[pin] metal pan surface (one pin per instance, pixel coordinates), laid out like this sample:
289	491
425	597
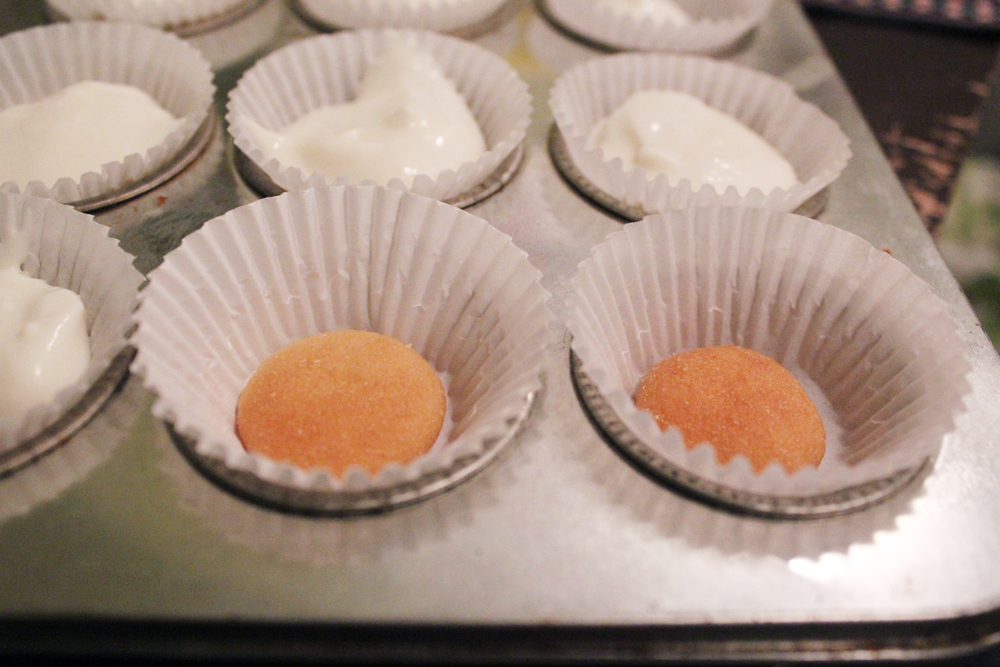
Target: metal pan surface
558	549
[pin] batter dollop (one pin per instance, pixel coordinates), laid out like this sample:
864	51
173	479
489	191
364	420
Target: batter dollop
75	131
407	119
44	345
673	133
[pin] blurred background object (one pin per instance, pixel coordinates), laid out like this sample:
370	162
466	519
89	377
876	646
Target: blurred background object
924	73
961	14
921	83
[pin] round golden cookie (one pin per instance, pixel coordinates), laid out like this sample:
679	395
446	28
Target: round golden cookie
740	401
342	398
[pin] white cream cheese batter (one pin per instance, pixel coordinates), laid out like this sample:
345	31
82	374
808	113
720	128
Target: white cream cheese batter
673	133
78	129
660	11
43	336
407	119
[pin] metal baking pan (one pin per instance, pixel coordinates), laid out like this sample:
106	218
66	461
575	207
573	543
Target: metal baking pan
113	544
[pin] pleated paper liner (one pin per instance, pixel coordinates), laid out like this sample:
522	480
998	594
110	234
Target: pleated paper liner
463	18
714	27
343	257
559	153
327	69
224	31
68	249
837	502
811	141
301	537
182	17
875	349
257	179
41	61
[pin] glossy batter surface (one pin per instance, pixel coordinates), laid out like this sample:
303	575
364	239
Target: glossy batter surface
75	131
671	132
408	118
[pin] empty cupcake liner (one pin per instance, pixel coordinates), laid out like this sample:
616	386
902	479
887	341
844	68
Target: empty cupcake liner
327	69
41	61
875	349
714	25
344	257
436	15
68	249
168	14
811	141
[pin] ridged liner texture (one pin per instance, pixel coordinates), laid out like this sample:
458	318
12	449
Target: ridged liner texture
714	26
343	257
872	336
158	13
441	16
68	249
39	62
810	140
327	69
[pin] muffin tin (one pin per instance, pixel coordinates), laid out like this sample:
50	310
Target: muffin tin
444	282
559	548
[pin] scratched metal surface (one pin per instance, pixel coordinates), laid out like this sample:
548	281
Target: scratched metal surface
560	530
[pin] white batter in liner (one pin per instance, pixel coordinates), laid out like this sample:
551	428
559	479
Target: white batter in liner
39	62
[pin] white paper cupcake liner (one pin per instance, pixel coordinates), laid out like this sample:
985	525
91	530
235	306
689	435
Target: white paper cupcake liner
876	349
436	15
169	14
714	25
68	249
41	61
327	69
305	539
811	141
346	257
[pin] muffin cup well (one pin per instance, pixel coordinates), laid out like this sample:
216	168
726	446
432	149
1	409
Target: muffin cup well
68	249
41	61
439	16
811	141
327	69
875	349
714	25
343	257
